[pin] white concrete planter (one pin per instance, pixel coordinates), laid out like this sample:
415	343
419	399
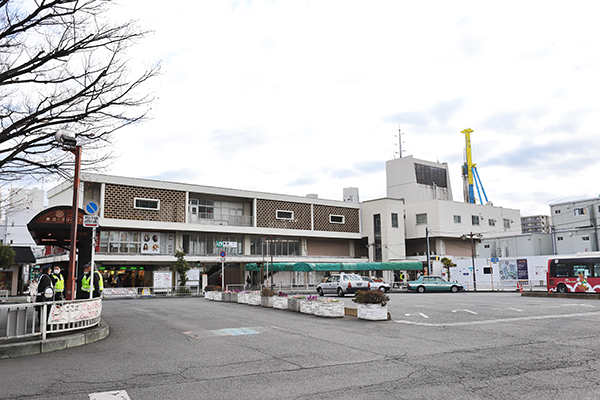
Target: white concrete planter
217	296
280	302
294	304
307	306
331	310
242	297
208	295
372	312
266	301
254	299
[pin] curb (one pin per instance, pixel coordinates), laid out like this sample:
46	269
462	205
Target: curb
589	296
67	341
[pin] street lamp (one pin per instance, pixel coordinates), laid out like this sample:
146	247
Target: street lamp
70	142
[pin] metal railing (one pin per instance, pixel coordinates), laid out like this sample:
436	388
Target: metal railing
25	320
508	285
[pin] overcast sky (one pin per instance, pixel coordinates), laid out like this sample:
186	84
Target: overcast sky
299	97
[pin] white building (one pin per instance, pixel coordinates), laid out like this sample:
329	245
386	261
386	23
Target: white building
575	226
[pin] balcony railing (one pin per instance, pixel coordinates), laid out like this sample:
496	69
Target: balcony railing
218	219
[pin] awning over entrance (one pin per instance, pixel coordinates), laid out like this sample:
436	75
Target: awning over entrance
367	266
52	227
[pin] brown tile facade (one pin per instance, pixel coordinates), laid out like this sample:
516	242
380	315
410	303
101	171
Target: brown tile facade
351	221
266	216
119	199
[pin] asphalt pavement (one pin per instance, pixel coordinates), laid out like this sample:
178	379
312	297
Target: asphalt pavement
436	346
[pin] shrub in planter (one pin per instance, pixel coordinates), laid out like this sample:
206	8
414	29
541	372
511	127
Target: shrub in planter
371	297
372	305
308	305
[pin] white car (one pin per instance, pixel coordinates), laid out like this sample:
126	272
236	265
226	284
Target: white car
384	287
342	284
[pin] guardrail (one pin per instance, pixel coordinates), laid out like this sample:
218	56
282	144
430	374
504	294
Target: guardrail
508	285
25	320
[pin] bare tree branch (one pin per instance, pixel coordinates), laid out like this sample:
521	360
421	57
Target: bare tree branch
64	66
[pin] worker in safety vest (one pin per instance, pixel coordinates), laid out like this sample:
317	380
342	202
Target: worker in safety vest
59	284
88	283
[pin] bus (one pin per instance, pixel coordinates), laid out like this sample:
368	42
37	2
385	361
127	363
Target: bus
574	274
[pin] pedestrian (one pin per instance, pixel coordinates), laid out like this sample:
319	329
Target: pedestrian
87	283
248	282
59	284
45	291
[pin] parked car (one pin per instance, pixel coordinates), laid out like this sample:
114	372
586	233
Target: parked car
374	285
430	283
342	284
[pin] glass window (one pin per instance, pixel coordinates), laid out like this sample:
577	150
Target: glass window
506	223
394	220
421	219
474	219
491	222
337	219
147	204
457	219
282	214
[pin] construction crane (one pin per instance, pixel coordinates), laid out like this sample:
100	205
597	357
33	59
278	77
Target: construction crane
470	174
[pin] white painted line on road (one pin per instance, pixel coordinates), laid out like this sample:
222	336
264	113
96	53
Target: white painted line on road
469	311
495	321
423	315
114	395
515	309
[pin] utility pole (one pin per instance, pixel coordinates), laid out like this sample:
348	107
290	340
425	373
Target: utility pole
428	252
478	236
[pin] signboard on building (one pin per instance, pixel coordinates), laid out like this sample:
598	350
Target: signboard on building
150	243
226	244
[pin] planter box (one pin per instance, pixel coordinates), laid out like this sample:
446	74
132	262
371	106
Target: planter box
233	297
307	306
226	297
242	298
266	301
217	296
331	310
294	304
208	295
254	299
372	312
280	303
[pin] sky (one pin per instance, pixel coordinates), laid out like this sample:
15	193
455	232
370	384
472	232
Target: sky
299	97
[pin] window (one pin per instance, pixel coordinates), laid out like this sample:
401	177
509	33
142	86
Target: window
457	219
394	220
559	238
427	175
487	246
585	238
491	222
282	214
146	204
556	211
276	246
336	219
579	211
506	223
474	219
421	219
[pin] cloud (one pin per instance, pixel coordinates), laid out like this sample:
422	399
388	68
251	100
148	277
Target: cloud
439	113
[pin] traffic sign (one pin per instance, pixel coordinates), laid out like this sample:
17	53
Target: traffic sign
91	207
90	221
223	254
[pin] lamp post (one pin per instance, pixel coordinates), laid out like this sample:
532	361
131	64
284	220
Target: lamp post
70	142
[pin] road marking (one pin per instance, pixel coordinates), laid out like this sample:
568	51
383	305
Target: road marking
423	315
235	332
469	311
114	395
495	321
515	309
